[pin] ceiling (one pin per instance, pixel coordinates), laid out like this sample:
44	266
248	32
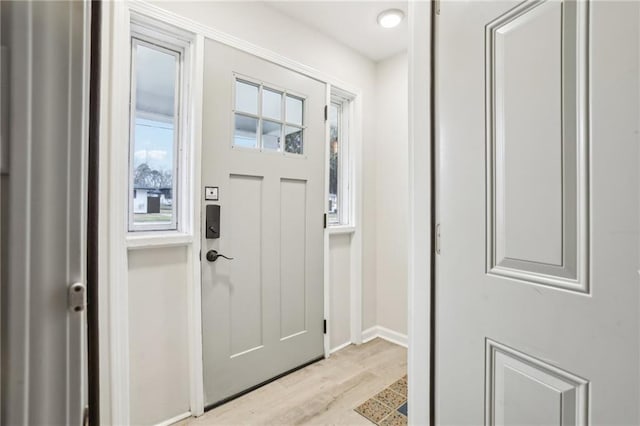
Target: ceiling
353	23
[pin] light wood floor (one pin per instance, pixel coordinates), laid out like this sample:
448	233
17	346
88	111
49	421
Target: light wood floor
324	393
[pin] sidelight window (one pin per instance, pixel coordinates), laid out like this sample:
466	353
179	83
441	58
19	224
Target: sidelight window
155	132
339	177
267	119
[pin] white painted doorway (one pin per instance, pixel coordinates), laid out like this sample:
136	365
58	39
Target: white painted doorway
537	270
263	167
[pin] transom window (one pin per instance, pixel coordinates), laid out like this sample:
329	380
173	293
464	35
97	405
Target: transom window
268	119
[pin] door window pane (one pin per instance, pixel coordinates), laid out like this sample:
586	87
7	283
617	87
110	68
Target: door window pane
271	104
264	116
246	97
294	110
154	137
246	132
271	135
293	140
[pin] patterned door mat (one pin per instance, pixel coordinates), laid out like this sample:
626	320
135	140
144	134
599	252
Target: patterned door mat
389	407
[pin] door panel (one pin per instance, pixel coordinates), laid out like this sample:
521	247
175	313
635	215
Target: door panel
537	287
293	219
537	143
244	278
262	312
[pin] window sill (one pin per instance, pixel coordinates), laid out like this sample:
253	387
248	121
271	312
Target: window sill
340	229
155	239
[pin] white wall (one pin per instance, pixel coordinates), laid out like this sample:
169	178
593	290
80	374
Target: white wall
339	276
158	345
392	194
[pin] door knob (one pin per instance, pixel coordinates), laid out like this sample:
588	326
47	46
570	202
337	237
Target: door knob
213	255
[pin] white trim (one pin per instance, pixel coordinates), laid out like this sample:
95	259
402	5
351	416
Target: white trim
340	347
175	419
385	333
140	240
369	334
326	239
117	216
340	229
419	274
196	388
393	336
355	289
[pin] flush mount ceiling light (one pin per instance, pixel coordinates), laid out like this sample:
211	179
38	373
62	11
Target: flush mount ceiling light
390	18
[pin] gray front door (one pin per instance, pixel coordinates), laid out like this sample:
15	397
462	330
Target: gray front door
263	148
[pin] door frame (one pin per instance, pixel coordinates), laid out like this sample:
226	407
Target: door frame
421	285
113	243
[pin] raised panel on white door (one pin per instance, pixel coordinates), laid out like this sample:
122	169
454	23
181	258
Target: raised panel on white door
537	144
529	136
293	231
522	390
245	280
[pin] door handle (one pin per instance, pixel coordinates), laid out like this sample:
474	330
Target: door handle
213	255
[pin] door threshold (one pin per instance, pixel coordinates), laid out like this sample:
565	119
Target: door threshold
259	385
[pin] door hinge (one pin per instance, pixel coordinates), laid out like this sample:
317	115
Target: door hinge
326	112
77	297
200	255
325	221
325	327
436	6
438	238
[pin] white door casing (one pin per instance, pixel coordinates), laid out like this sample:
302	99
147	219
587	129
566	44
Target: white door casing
537	300
262	311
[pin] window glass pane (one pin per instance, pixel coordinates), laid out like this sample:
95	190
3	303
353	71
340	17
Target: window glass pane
246	97
293	142
154	136
334	140
294	110
271	104
271	135
246	132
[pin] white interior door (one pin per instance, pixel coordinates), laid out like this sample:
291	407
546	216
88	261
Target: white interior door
263	148
44	211
537	286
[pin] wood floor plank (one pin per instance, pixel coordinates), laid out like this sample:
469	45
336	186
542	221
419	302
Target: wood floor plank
324	393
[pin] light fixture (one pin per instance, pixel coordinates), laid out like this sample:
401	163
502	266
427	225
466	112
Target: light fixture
390	18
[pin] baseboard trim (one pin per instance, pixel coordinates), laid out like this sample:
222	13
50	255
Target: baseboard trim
369	334
339	347
386	334
175	419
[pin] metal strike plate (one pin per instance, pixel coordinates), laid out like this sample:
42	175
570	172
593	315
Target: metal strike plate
77	297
